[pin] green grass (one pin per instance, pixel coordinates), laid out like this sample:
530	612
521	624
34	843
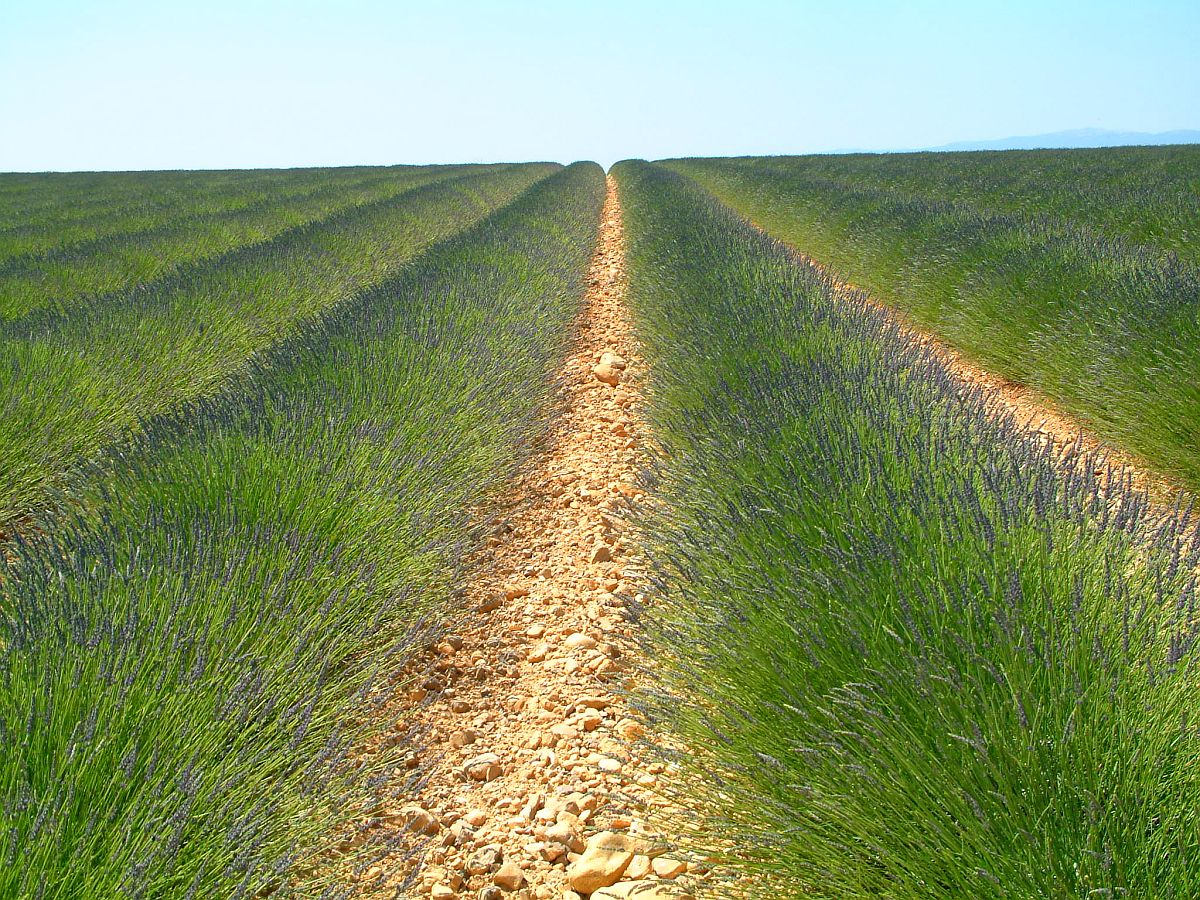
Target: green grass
913	654
1025	276
71	385
186	663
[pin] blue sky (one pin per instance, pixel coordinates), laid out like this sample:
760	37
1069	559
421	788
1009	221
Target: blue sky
129	84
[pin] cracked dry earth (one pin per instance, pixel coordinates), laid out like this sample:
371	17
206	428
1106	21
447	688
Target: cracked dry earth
534	786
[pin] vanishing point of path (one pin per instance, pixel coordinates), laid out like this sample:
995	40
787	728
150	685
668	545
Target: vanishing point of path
533	782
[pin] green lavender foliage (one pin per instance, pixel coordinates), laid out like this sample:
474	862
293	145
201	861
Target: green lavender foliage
44	211
1075	272
73	271
51	211
72	384
185	666
912	653
1145	196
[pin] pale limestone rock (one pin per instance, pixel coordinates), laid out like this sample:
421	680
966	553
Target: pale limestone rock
639	867
509	876
580	641
418	819
668	868
607	374
603	862
485	767
485	859
612	359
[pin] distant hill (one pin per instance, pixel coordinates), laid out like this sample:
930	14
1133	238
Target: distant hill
1079	137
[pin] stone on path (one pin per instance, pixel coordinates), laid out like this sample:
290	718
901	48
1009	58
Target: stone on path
485	767
485	860
580	641
606	373
668	868
603	863
639	867
612	359
419	820
509	876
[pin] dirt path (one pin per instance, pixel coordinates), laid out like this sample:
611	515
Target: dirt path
533	783
1029	407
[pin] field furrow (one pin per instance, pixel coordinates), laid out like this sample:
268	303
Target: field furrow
531	750
187	663
71	274
87	205
1106	332
915	650
77	384
1142	197
814	527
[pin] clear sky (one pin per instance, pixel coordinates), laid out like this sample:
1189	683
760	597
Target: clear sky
133	84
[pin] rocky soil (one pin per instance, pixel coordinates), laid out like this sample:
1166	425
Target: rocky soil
534	780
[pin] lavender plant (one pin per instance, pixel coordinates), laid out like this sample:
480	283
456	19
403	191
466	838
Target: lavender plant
1074	272
73	384
43	211
74	270
187	669
913	652
1143	197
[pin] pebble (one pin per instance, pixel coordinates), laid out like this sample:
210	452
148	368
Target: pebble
612	359
639	867
607	856
562	833
485	859
485	767
607	373
580	641
668	868
509	876
418	819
